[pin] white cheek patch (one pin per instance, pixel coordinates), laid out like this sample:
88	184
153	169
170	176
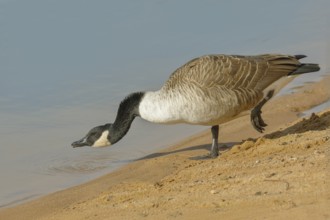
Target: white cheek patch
103	140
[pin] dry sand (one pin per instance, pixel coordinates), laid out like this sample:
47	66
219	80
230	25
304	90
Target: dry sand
282	174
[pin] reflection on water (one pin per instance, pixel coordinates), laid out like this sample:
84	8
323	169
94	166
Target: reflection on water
90	163
58	81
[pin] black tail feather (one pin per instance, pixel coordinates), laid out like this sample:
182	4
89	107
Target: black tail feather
299	56
306	68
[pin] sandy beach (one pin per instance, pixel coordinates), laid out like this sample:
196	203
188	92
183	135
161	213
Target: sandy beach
280	174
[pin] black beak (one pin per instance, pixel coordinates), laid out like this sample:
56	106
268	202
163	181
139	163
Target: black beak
80	143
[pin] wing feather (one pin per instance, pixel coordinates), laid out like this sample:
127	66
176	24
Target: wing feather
232	72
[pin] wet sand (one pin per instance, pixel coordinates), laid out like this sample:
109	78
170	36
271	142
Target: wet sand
282	173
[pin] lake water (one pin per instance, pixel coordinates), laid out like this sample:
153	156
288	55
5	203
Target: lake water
66	65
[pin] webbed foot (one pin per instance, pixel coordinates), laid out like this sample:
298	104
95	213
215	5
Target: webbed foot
257	121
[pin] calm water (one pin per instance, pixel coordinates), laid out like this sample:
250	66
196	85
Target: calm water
66	65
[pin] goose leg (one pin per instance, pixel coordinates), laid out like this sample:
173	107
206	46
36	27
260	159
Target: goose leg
214	148
256	119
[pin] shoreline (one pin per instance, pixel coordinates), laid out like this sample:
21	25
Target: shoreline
156	170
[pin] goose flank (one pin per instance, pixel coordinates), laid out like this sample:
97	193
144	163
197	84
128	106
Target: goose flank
208	90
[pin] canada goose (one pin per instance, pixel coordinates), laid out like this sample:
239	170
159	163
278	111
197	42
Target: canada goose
208	90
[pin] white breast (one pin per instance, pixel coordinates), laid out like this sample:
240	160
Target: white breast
175	107
157	108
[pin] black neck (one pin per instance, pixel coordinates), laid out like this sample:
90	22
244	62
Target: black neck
127	111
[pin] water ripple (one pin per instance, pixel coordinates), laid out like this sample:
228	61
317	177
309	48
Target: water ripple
82	165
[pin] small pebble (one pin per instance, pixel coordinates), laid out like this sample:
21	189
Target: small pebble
213	191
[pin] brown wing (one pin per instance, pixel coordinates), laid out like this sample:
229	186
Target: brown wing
233	72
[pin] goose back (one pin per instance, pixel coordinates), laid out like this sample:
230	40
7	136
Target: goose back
233	72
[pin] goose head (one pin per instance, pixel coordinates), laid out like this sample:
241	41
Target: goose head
97	137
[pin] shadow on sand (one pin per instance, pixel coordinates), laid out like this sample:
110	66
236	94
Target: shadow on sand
313	123
223	147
